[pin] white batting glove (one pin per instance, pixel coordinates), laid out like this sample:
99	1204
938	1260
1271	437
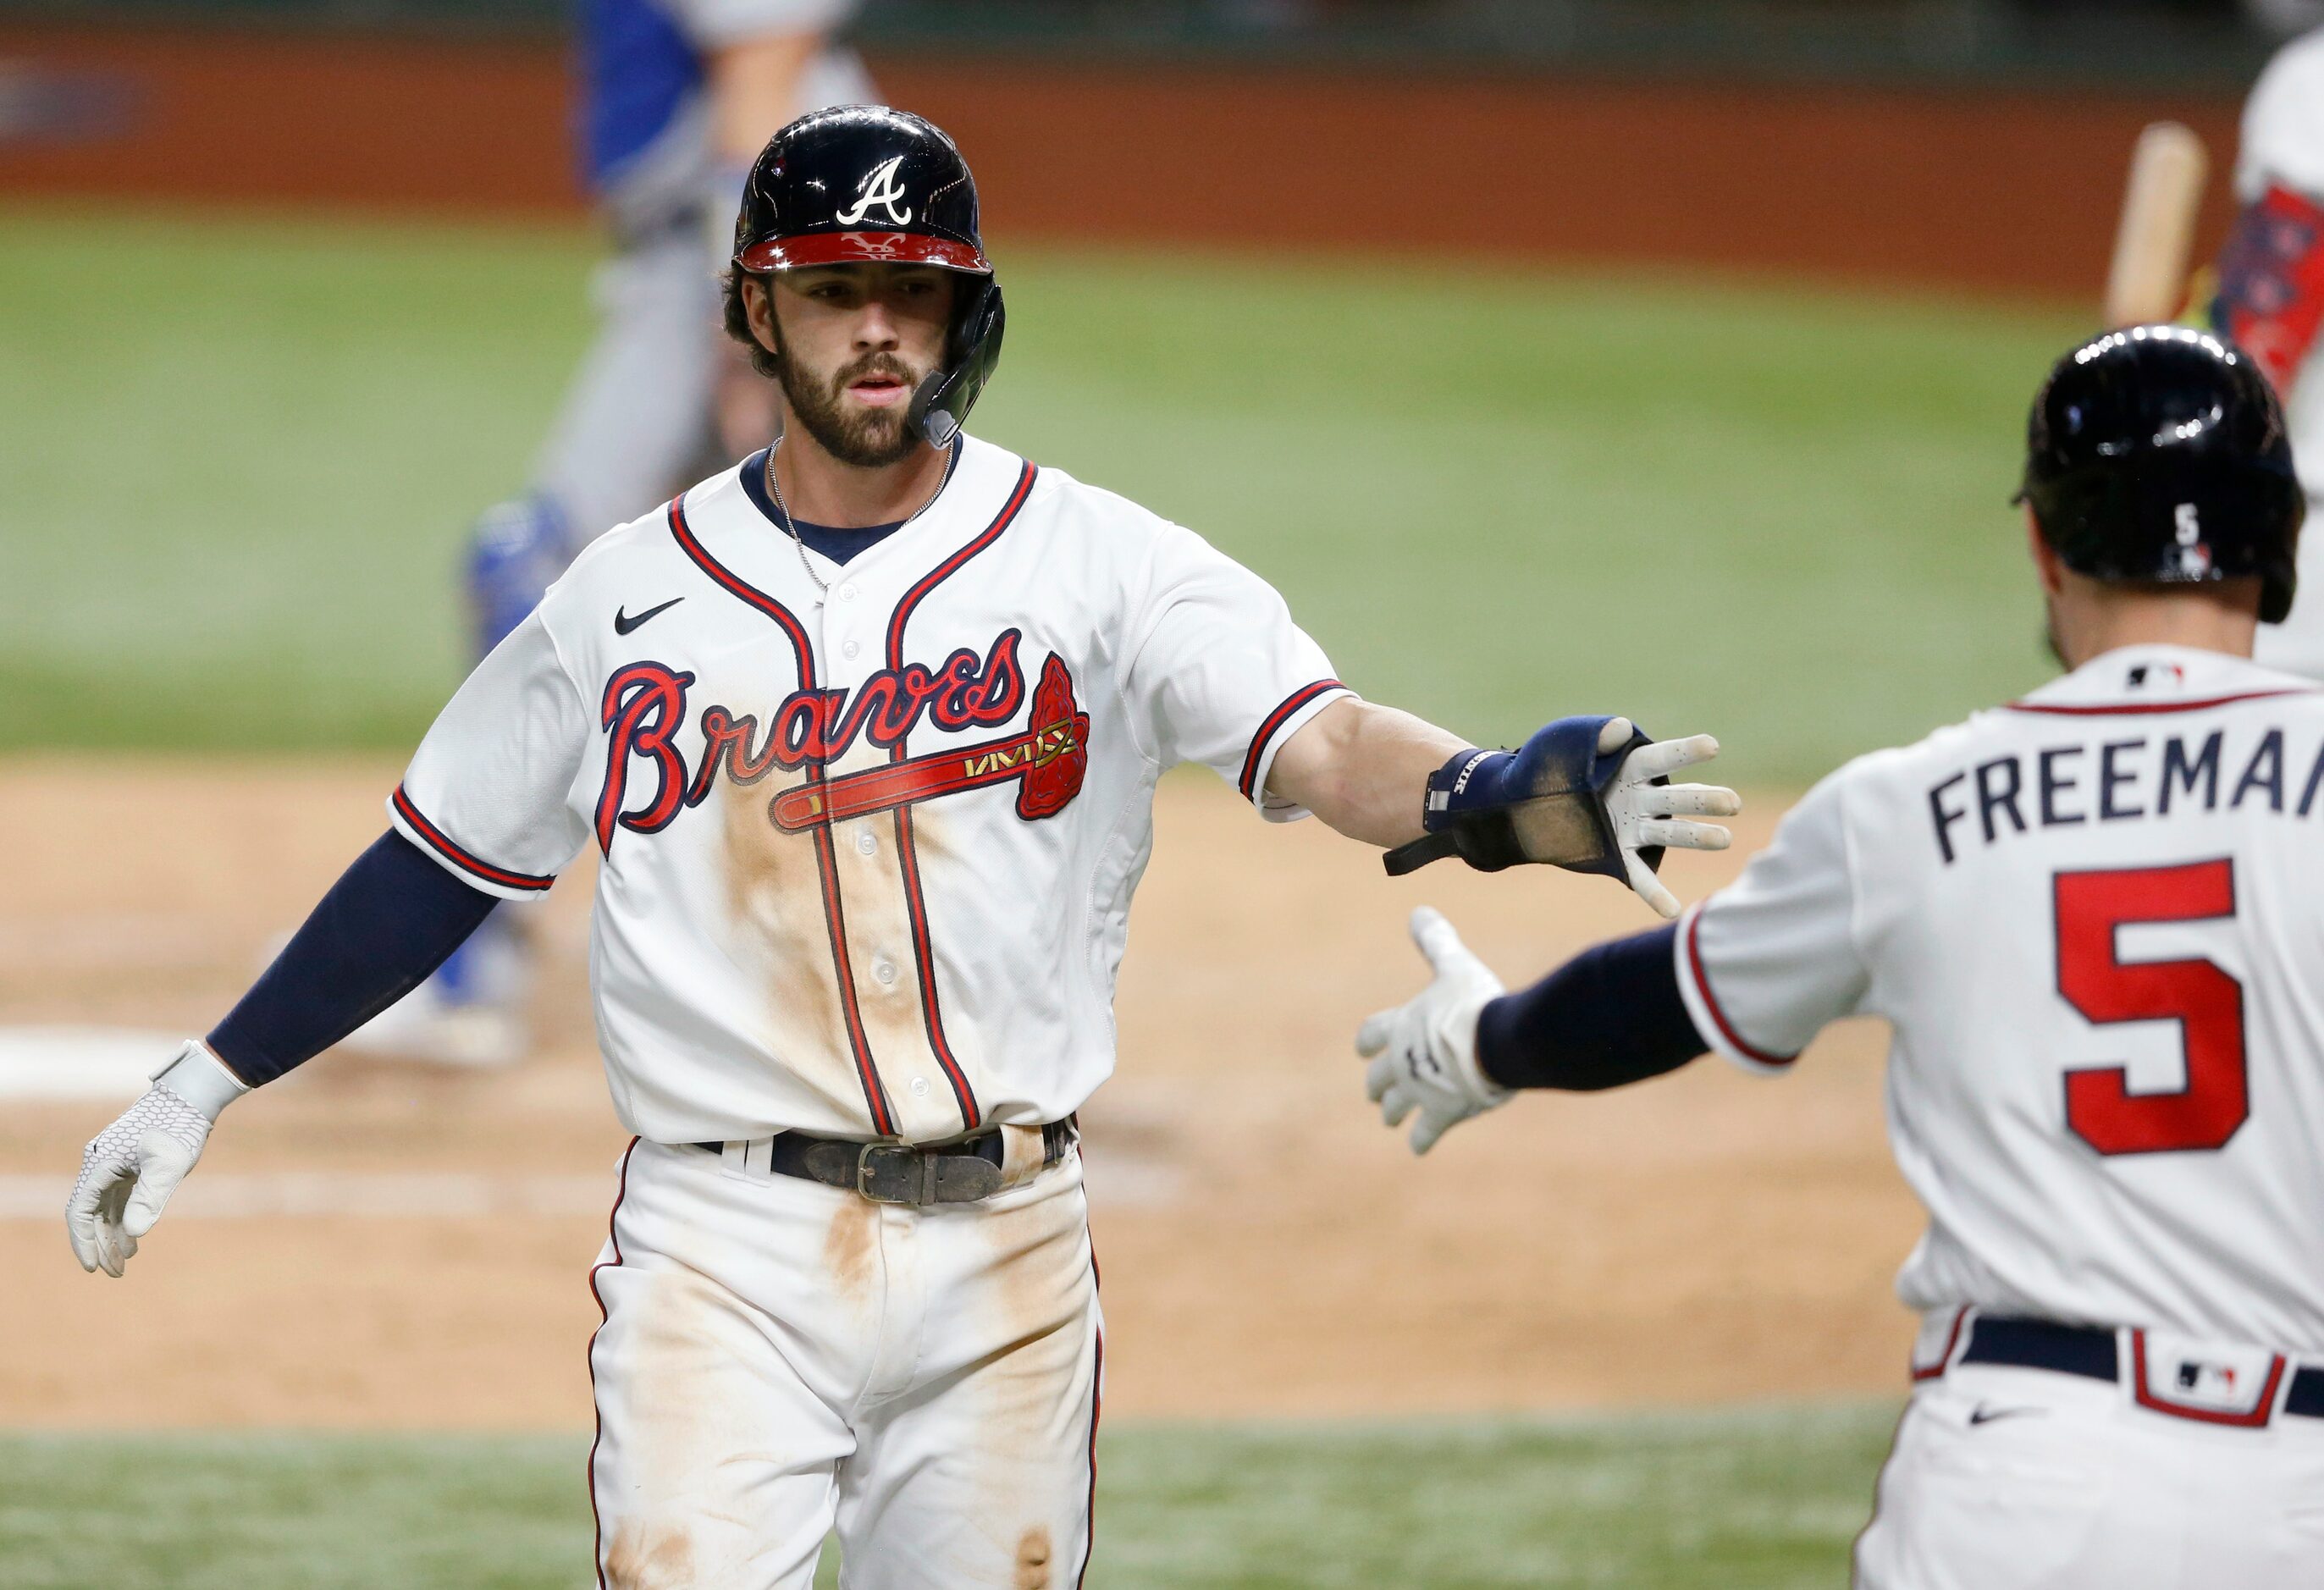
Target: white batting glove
1426	1049
1646	814
129	1169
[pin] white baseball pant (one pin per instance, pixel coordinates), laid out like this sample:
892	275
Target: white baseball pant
2005	1478
780	1357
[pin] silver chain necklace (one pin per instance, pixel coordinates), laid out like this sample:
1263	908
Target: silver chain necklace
791	525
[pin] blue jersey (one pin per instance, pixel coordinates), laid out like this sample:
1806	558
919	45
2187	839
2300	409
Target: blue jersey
643	66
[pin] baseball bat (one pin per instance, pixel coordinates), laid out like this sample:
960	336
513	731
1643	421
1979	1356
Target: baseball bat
2147	281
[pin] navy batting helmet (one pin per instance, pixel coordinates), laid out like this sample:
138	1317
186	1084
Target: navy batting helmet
867	185
2158	454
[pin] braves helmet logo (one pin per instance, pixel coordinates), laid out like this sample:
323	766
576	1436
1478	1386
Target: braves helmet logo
879	187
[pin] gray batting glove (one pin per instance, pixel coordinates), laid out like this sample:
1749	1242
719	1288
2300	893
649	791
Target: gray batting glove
129	1169
1424	1052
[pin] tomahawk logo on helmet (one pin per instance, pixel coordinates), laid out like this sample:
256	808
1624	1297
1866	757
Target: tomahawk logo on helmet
814	195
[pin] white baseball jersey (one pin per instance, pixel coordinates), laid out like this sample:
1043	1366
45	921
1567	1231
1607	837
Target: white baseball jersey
866	854
2094	920
2283	146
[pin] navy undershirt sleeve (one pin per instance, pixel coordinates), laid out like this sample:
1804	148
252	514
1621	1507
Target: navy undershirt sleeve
1612	1014
392	918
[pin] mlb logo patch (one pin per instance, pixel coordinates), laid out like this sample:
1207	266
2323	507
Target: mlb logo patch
2217	1383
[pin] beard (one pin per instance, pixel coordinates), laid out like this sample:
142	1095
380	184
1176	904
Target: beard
868	439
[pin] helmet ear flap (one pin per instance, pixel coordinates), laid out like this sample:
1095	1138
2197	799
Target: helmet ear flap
941	405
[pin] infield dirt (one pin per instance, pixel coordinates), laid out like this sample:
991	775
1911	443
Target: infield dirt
1267	1248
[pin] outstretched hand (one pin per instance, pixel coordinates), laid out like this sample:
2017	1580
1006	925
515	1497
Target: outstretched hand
1424	1052
1646	815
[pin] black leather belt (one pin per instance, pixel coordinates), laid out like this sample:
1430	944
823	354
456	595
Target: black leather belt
962	1173
2093	1354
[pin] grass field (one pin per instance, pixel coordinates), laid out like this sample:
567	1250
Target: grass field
239	473
1735	1502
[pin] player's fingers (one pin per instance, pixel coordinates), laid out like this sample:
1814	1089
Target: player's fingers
1437	939
80	1223
1649	888
157	1178
1678	834
115	1246
1379	1077
1373	1035
1665	756
1396	1104
1688	800
1615	735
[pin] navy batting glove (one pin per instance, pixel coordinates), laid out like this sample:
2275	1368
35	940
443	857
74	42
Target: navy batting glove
1559	776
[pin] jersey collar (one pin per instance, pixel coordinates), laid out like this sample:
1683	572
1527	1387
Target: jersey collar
2154	679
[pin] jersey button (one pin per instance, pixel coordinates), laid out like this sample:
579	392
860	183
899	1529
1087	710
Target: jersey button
885	971
845	593
849	650
920	1088
866	844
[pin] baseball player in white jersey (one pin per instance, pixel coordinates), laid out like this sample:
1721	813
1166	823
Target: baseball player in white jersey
2270	299
865	735
2094	920
677	98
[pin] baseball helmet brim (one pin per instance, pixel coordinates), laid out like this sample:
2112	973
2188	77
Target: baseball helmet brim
864	248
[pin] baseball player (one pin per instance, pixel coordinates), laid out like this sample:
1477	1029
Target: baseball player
864	734
678	96
2271	298
2094	920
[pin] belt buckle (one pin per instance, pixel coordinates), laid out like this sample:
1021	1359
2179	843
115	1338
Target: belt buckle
920	1188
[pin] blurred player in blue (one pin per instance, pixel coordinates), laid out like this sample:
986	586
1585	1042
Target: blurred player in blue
677	98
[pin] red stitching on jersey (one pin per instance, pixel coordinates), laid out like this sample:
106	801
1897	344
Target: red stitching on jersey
460	858
907	859
2146	706
2257	1419
1945	1356
1274	720
1097	1412
1711	1000
597	1524
834	917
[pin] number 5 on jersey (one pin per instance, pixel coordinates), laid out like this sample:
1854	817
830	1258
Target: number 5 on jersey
2205	1000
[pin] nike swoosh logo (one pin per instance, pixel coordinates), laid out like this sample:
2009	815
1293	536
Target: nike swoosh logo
1981	1414
623	624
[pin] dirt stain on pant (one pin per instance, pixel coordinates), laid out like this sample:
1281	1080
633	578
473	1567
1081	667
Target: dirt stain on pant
1033	1554
647	1556
851	1248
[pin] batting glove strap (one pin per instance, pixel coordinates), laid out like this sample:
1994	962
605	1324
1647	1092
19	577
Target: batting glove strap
195	1075
1543	802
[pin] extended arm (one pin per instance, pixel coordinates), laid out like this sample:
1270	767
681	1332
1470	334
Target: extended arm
1591	794
1360	767
1613	1014
390	921
1755	973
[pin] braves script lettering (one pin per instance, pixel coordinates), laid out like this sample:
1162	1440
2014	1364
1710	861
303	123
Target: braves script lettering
645	705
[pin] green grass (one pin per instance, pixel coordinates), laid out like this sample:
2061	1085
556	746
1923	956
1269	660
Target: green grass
1735	1501
238	473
